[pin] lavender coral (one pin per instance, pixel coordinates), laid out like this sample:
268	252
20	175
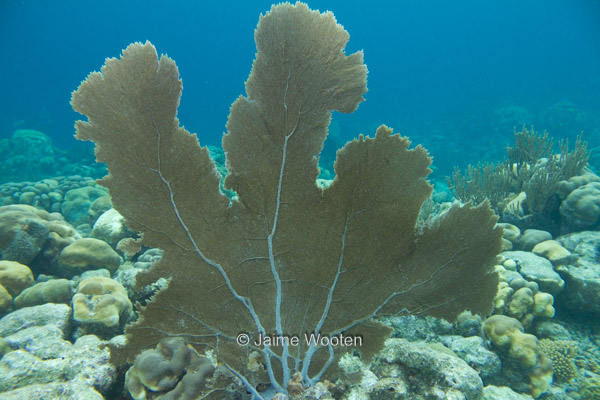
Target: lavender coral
285	258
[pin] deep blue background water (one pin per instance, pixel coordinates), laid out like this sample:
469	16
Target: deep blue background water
456	76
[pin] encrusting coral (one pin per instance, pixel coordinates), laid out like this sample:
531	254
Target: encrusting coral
285	256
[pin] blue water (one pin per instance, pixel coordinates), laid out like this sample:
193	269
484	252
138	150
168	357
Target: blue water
456	76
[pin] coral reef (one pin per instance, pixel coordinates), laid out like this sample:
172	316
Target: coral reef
29	235
259	239
524	188
25	145
47	194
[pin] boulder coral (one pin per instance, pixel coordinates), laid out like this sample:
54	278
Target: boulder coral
507	334
14	278
520	298
554	252
53	291
77	203
5	301
581	209
86	254
48	194
27	233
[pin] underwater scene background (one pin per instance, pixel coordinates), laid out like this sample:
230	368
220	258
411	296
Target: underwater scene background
456	77
504	97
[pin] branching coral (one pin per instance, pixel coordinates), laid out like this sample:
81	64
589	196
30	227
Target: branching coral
531	172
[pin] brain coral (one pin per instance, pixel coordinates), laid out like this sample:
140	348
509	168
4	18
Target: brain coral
101	306
172	370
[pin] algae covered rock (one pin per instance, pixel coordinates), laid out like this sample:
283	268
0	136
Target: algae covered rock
71	390
110	227
537	269
45	342
81	369
86	254
504	393
474	352
582	294
23	232
433	374
58	315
